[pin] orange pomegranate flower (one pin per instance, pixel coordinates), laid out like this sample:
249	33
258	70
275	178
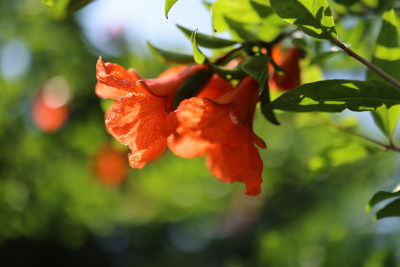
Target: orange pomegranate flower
138	115
222	130
289	62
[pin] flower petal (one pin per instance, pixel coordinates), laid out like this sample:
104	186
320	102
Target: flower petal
239	162
171	79
105	91
137	120
216	87
181	142
187	145
205	119
231	154
117	77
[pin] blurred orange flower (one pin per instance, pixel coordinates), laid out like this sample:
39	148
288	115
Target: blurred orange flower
48	117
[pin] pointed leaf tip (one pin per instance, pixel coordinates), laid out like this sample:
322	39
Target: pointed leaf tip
168	6
198	56
207	41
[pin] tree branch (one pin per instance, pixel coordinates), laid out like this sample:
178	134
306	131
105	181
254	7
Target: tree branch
367	63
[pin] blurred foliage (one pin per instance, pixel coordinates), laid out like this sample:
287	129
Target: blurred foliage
54	210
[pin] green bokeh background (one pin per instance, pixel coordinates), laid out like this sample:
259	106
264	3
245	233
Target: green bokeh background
54	211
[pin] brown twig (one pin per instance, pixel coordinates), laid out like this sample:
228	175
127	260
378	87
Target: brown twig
367	63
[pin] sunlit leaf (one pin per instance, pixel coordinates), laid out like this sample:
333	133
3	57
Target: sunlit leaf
314	17
240	30
199	57
243	16
63	8
192	86
386	119
337	95
387	57
241	11
168	6
346	2
48	2
261	8
170	57
207	40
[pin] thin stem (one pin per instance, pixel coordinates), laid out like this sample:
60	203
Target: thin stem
367	63
391	146
228	56
236	52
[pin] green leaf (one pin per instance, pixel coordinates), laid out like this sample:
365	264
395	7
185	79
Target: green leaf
207	40
386	56
314	17
390	210
168	6
254	16
337	95
381	196
262	9
386	119
257	67
75	5
379	5
239	10
346	2
48	2
207	4
170	57
63	8
240	30
267	112
192	86
236	73
199	57
321	57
